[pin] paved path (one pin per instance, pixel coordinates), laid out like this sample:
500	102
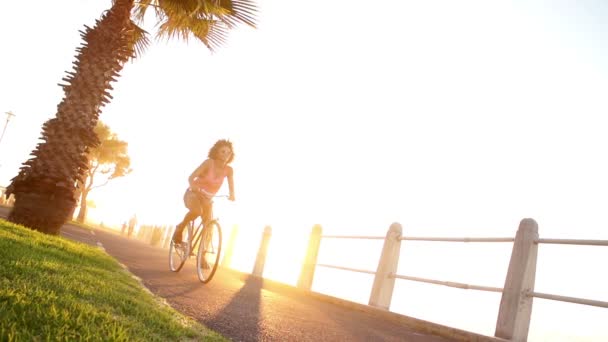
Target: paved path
242	308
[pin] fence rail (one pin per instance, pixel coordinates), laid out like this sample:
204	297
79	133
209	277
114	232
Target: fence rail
466	239
450	283
347	269
574	242
352	237
570	299
515	309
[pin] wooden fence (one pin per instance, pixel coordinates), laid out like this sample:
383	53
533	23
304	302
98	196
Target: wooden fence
515	308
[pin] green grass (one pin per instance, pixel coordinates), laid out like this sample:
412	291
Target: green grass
53	289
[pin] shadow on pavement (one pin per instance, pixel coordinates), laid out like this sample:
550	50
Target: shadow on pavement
185	290
242	313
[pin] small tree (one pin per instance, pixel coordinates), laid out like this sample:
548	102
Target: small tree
107	161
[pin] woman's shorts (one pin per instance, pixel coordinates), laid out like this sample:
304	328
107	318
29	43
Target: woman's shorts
198	204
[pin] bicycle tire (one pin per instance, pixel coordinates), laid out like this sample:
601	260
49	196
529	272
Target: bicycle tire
178	254
209	252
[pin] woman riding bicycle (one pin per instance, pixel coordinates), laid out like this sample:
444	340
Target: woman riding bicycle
205	182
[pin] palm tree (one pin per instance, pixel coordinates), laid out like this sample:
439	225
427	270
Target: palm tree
45	188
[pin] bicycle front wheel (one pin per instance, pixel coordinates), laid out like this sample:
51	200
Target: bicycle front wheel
178	253
209	250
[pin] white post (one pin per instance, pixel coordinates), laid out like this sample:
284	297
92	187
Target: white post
168	234
230	247
516	304
307	273
384	282
149	232
260	260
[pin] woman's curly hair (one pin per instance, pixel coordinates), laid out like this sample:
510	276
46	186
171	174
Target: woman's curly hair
216	147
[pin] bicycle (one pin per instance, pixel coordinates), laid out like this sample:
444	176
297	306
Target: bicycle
209	241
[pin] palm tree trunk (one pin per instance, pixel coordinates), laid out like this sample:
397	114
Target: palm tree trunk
45	188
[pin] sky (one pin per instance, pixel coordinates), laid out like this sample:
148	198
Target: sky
454	118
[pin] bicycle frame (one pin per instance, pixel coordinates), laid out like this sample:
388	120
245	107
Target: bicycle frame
201	227
197	233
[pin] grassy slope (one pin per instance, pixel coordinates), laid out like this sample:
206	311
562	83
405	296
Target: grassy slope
56	289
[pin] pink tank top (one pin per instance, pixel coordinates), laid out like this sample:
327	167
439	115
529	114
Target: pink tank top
211	182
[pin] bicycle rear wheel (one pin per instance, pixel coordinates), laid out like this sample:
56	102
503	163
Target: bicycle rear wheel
178	254
209	251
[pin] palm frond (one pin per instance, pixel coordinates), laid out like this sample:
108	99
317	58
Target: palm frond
140	39
207	20
140	10
244	11
210	32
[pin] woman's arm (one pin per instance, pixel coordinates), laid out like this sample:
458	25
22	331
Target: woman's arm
230	184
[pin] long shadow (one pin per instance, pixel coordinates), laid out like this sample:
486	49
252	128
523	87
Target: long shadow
183	289
240	318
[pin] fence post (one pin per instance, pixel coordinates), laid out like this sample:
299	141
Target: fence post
230	247
516	303
167	235
384	281
154	235
260	260
148	234
307	273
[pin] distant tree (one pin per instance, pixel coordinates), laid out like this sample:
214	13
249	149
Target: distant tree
107	161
